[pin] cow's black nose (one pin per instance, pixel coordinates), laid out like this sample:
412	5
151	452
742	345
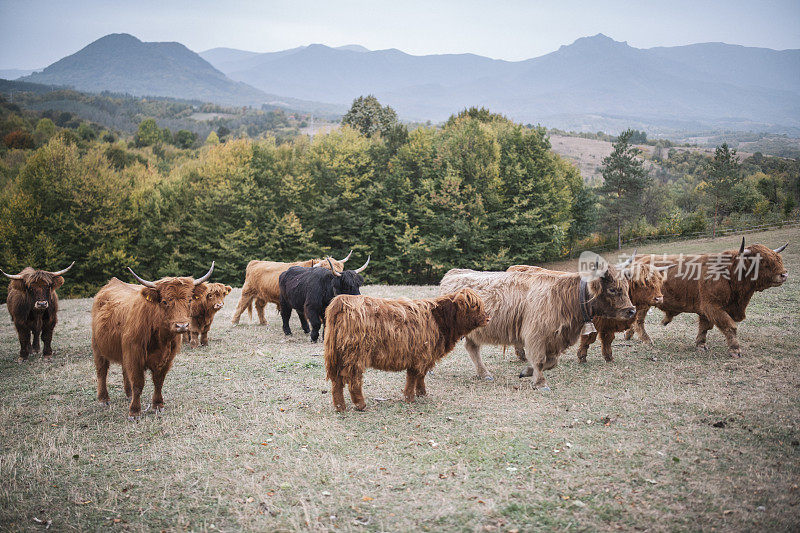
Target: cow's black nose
42	304
631	311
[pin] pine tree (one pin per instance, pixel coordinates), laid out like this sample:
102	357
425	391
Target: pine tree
624	182
721	177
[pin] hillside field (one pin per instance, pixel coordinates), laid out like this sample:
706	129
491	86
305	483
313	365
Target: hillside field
662	439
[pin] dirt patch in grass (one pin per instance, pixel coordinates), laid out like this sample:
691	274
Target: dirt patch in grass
662	439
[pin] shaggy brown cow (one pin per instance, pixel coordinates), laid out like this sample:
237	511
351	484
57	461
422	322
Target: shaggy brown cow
261	284
645	291
394	335
717	287
140	328
542	312
202	312
33	305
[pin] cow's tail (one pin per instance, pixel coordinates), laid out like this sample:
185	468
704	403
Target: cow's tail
333	359
250	309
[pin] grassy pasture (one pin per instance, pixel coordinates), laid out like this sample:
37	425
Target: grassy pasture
662	439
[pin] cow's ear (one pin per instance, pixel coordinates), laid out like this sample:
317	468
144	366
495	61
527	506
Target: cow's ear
228	289
151	295
199	291
58	281
18	284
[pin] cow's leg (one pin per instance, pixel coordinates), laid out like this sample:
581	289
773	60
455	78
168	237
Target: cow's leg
158	382
703	325
727	326
420	388
668	316
606	338
519	349
474	352
356	395
24	334
135	372
303	322
286	314
245	301
101	365
337	392
316	323
126	383
35	344
204	337
47	338
586	341
637	327
409	393
536	353
260	305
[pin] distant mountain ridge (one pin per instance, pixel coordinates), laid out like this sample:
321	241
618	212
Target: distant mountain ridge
699	85
594	83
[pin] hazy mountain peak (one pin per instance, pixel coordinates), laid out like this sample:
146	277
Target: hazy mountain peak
353	48
597	42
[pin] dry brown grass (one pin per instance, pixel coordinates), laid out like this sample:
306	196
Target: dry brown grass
249	440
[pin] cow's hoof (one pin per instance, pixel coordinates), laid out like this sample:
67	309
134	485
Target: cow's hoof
104	403
21	359
47	358
339	408
134	417
735	354
158	408
702	348
582	360
609	359
361	406
487	377
288	334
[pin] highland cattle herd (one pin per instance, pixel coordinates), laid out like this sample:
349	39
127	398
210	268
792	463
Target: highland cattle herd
539	312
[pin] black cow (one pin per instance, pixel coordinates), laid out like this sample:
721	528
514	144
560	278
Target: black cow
33	305
309	290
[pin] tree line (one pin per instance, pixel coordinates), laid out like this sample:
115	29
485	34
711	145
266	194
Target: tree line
480	191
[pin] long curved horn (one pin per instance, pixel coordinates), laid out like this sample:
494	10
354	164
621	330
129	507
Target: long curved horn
60	272
12	276
741	248
782	248
364	266
629	261
346	258
208	275
142	281
332	269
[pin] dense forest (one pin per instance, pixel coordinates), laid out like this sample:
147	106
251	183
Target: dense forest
479	191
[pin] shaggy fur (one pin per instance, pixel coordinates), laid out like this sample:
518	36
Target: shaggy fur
261	285
718	302
309	291
537	311
140	328
30	321
394	335
644	290
202	312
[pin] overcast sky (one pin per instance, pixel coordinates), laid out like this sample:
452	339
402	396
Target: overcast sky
35	33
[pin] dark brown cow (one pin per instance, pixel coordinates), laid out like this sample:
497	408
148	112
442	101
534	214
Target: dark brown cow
644	290
140	327
412	335
718	287
33	305
202	312
261	284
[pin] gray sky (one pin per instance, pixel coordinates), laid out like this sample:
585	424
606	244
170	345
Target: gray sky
35	33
